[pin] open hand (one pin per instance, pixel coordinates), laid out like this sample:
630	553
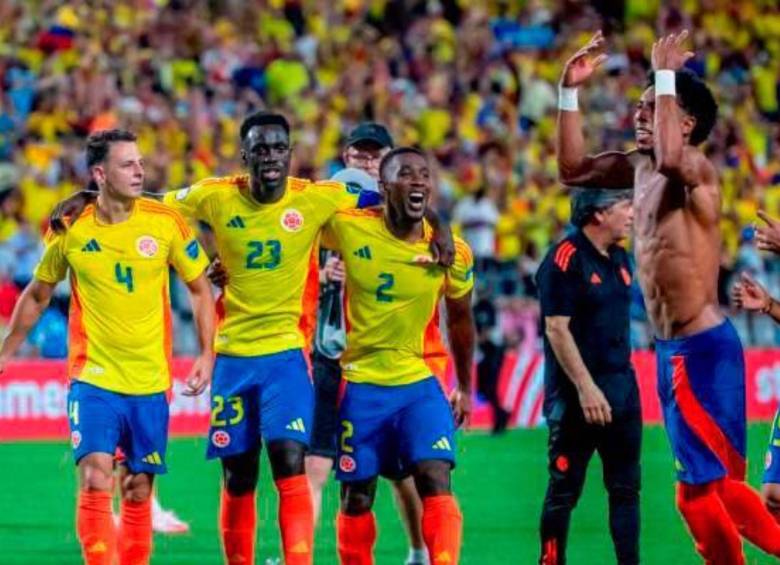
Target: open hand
749	295
584	62
669	53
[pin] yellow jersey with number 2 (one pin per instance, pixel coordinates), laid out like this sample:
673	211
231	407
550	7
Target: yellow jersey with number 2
392	299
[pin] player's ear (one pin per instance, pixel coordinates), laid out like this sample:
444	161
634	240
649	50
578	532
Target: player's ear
688	123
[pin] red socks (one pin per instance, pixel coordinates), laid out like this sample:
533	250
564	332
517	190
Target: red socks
752	519
296	520
95	527
238	525
442	526
716	536
135	532
356	536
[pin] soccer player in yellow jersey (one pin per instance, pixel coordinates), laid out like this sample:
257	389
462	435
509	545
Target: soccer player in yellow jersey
395	420
117	255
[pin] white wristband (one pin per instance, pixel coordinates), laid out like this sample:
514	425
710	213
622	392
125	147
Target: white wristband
665	83
567	99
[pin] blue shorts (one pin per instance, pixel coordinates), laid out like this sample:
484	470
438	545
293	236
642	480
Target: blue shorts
772	461
701	384
267	397
101	420
387	429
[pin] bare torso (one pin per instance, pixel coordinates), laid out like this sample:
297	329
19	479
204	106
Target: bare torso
678	252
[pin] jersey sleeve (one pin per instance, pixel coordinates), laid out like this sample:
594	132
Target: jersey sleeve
558	282
185	253
194	202
335	196
460	276
53	266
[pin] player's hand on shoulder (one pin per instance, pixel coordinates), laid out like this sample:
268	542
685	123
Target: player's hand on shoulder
584	62
71	207
768	236
217	273
200	374
460	401
750	295
668	52
594	404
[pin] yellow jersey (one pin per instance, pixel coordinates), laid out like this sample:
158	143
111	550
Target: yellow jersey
119	327
392	297
270	254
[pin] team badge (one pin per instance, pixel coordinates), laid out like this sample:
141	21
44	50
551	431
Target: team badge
768	460
182	194
626	276
220	438
147	246
75	439
347	464
292	220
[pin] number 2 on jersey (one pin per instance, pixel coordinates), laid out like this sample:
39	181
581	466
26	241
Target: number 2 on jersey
381	292
124	276
257	248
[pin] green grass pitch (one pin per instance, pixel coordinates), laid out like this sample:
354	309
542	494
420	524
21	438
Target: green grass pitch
500	483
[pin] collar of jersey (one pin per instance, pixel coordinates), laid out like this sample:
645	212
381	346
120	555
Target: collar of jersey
245	190
101	224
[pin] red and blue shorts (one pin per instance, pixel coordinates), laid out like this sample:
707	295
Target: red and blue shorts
701	385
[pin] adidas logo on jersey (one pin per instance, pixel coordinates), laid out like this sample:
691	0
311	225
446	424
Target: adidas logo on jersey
443	443
152	459
92	245
363	252
296	425
236	222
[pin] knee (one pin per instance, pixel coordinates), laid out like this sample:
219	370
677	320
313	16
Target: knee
432	478
771	495
356	499
287	459
96	478
137	488
562	494
623	491
240	474
318	470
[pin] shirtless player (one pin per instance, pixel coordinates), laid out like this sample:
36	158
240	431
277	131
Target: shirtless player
701	378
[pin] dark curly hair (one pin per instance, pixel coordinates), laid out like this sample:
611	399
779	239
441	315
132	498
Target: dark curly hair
695	97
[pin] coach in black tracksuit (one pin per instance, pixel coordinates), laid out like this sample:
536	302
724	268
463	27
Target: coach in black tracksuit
591	396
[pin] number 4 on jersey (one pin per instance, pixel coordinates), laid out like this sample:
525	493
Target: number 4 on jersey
124	275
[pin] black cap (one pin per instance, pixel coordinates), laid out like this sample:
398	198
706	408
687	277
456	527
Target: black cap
370	131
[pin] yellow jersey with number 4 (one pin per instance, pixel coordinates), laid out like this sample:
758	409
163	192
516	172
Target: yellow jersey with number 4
270	254
392	299
119	328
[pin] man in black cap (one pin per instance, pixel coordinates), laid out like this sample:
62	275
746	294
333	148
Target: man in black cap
591	397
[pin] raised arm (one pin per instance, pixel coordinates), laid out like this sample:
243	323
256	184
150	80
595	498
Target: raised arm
612	169
675	155
460	328
33	301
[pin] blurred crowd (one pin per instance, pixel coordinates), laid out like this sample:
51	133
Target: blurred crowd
474	83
